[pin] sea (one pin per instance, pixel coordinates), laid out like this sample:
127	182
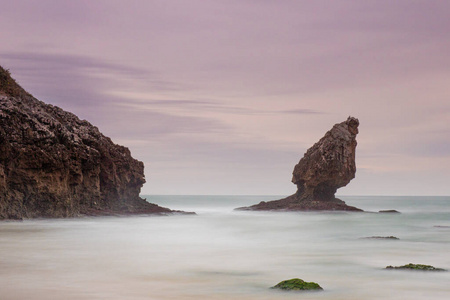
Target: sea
221	253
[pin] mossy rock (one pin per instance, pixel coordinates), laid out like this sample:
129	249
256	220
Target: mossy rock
416	267
296	284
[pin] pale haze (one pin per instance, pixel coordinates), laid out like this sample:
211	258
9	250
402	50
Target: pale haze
224	97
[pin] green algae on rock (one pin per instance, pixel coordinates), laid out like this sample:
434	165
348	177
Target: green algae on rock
297	284
415	267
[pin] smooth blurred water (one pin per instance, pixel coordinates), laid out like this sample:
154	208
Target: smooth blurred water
224	254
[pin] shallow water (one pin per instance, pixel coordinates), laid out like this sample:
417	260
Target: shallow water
226	254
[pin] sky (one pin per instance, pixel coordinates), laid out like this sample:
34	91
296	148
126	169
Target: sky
225	97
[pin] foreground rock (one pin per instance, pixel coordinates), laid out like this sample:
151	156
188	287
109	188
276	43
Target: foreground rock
297	284
415	267
52	164
325	167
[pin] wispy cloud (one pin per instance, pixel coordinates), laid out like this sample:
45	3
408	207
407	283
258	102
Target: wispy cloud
301	112
189	84
57	62
83	72
212	106
77	84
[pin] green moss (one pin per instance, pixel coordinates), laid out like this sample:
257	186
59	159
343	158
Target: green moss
416	267
9	86
296	284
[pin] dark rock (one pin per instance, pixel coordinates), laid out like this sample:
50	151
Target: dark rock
415	267
382	237
389	211
297	285
325	167
52	164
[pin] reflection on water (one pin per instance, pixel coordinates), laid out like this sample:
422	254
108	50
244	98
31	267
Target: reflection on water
225	254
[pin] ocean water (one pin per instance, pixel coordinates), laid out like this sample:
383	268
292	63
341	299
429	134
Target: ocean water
224	254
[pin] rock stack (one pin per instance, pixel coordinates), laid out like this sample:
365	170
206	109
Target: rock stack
325	167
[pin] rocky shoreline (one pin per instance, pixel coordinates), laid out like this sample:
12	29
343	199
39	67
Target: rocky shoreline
54	165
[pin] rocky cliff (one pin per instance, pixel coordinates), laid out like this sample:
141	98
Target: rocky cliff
325	167
52	164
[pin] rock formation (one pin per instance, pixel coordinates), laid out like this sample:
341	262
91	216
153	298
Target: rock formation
416	267
391	237
389	211
325	167
297	284
52	164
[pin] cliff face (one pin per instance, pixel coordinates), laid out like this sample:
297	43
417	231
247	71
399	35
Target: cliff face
52	164
325	167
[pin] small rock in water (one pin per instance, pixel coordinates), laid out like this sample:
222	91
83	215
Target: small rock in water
383	237
389	211
415	267
297	284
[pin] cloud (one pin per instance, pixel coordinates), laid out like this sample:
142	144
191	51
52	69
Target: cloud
143	102
301	112
58	62
78	84
200	82
121	99
81	73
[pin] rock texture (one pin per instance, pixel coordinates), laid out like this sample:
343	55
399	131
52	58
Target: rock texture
52	164
417	267
297	284
325	167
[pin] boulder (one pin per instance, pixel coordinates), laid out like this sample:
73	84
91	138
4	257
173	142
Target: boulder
297	284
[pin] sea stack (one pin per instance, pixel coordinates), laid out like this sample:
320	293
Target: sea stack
325	167
52	164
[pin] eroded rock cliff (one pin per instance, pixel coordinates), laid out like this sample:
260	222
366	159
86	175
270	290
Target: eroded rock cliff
325	167
52	164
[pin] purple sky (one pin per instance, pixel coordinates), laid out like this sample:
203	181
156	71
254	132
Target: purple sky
224	97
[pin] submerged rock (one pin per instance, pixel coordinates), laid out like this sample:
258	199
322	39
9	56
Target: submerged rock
52	164
325	167
389	211
415	267
382	237
297	284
